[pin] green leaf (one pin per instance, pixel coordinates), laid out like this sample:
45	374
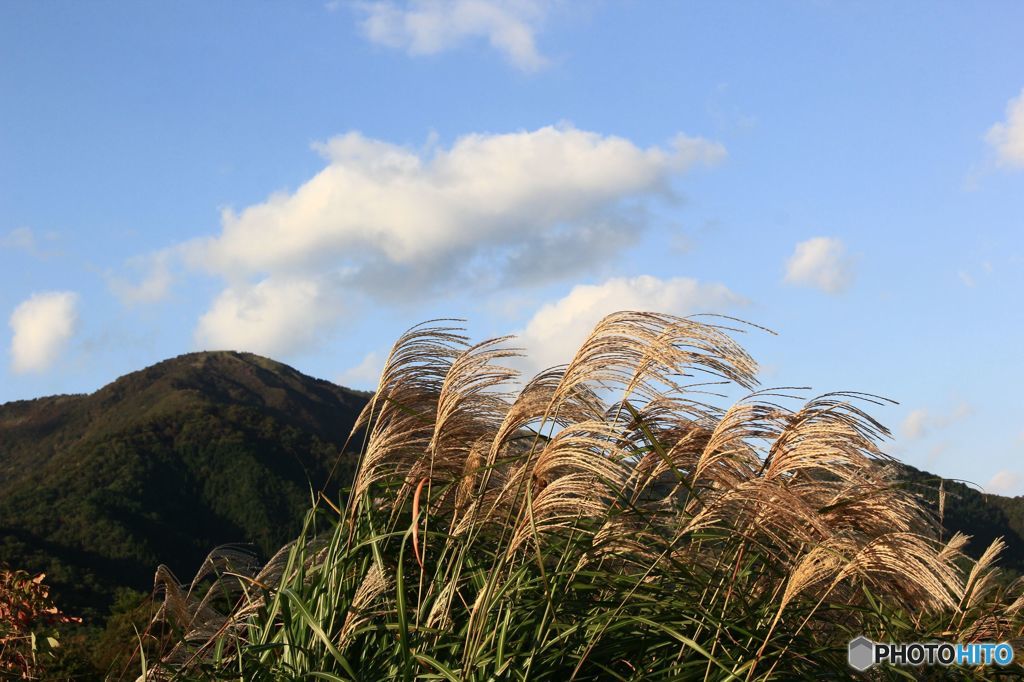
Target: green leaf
313	625
437	665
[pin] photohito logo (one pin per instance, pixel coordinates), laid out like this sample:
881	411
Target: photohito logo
864	653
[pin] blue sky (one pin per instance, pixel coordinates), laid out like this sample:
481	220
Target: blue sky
307	180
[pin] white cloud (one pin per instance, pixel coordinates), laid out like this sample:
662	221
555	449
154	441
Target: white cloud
916	424
968	279
365	375
1007	137
820	262
921	422
154	285
555	332
937	451
425	27
272	317
42	327
378	205
492	212
1006	482
19	238
29	241
392	224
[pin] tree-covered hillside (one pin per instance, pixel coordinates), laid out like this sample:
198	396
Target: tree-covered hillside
984	517
163	465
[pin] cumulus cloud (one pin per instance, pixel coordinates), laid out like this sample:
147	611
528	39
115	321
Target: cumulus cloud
555	332
273	317
1006	482
1007	137
491	212
425	27
382	205
364	375
822	263
42	327
392	224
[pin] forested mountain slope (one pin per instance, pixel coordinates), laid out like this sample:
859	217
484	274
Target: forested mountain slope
161	466
984	517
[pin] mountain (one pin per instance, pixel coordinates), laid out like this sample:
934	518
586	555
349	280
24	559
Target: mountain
984	517
161	466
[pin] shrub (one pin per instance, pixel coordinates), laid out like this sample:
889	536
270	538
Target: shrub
28	620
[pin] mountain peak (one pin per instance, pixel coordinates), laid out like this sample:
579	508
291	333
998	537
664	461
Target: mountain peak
162	464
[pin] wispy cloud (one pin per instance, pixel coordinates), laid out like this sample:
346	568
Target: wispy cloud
1006	482
1007	137
42	327
19	238
822	263
424	27
154	282
915	425
364	375
29	241
921	422
969	277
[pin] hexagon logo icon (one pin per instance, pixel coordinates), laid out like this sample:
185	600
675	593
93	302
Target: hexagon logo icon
861	655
